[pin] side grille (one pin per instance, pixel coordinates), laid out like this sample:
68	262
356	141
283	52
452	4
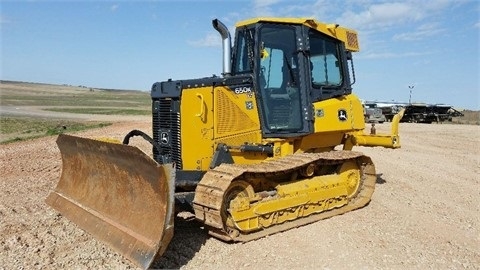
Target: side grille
166	131
231	119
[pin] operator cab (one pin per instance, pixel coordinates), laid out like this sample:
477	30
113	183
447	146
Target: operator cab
293	65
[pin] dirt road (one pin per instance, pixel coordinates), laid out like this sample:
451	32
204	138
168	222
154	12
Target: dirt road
424	214
40	112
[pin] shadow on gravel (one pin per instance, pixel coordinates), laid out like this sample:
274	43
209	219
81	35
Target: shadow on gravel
380	179
187	240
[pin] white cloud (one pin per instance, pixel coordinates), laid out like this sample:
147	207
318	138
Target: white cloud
114	7
375	20
477	25
263	8
382	15
387	55
264	3
210	40
358	14
422	32
369	14
320	9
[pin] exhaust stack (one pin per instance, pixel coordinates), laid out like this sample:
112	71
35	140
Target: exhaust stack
227	47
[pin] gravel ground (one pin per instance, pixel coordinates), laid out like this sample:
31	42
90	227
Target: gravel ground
424	214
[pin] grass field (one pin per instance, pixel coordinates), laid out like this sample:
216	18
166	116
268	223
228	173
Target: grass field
20	128
63	99
35	94
106	111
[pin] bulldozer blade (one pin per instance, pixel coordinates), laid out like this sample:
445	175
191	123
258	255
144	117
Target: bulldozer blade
118	194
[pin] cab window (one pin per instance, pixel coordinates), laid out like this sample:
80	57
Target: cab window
324	61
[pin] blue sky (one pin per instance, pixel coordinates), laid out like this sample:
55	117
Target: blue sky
431	45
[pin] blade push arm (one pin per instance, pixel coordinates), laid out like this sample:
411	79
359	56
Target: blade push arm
391	140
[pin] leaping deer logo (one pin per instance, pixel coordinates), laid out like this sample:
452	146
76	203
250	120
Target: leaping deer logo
164	138
342	115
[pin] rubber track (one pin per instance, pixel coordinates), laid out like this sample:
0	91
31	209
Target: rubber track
210	190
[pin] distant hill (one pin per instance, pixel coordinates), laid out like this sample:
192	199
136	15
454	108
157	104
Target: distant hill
3	83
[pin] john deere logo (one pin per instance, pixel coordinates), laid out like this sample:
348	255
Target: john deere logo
342	115
164	138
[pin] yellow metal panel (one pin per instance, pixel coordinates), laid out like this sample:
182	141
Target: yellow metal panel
324	182
348	36
327	117
279	204
197	128
283	148
329	130
320	141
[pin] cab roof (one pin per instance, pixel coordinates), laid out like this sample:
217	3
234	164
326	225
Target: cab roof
348	36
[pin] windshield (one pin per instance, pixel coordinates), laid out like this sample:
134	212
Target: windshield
278	78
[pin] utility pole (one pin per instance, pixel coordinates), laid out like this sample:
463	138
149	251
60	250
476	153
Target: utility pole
410	99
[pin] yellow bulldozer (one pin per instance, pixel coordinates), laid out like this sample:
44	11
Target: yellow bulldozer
264	148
